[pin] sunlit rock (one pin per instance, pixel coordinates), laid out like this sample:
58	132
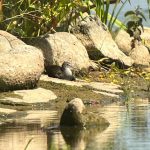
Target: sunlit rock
98	41
21	65
38	95
7	111
146	36
63	46
140	55
98	86
123	40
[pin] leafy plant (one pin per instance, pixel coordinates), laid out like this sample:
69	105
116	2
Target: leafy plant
32	18
103	8
134	23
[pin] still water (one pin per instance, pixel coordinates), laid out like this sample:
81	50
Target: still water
129	129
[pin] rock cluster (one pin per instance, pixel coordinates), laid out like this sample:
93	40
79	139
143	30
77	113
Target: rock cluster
21	65
140	53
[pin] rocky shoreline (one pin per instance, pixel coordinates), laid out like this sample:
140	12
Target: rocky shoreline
23	85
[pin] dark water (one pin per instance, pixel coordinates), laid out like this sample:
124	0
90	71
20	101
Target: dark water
128	130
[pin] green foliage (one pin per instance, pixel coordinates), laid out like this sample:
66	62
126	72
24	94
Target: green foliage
134	23
102	10
32	18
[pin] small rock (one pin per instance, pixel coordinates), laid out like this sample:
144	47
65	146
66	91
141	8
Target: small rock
72	115
140	55
75	114
123	40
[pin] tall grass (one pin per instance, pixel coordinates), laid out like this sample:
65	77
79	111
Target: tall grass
103	8
32	18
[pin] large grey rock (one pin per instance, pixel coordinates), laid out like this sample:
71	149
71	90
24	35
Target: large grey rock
98	41
12	40
4	45
20	66
63	46
123	40
140	55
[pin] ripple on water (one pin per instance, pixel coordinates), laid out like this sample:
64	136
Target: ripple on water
128	130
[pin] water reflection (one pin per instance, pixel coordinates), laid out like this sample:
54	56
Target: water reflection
23	126
134	134
15	137
29	125
75	138
128	130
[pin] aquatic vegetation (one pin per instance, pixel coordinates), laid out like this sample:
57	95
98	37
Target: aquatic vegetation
28	144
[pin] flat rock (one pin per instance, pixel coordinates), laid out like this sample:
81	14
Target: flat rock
38	95
56	80
107	87
7	111
107	94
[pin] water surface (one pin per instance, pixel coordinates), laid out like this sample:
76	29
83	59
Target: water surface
129	130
